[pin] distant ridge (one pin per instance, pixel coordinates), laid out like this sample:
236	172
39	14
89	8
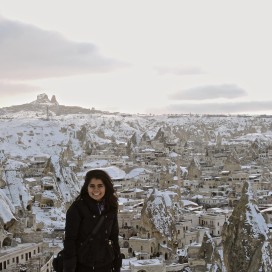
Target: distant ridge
44	104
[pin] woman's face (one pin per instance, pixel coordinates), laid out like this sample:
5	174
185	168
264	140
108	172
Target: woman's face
96	189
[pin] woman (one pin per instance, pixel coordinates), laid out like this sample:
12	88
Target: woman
101	253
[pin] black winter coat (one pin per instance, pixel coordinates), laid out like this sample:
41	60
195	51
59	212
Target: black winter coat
103	252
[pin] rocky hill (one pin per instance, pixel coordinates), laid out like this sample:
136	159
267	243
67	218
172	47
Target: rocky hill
162	210
246	238
44	106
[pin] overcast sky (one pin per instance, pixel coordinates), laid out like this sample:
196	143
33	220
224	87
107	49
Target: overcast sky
138	56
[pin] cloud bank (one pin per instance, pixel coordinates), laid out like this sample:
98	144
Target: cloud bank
28	52
11	89
221	108
228	91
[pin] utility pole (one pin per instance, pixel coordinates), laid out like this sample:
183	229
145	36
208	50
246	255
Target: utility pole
47	113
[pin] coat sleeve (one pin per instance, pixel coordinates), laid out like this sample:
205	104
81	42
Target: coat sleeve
114	236
72	226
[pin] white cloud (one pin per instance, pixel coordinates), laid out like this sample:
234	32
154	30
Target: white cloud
221	108
228	91
170	46
28	52
10	89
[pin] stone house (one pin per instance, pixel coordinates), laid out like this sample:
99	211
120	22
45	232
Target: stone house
236	176
125	184
148	246
20	254
125	217
258	184
213	201
150	265
214	219
128	193
209	182
181	227
193	185
194	235
136	223
221	190
264	198
142	179
188	230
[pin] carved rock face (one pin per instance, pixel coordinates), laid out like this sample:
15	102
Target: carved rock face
42	98
246	241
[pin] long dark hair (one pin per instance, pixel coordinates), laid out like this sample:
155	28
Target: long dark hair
111	200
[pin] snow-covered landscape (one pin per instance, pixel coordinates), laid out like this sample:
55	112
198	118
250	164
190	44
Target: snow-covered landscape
182	181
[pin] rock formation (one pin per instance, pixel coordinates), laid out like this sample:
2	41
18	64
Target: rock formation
54	100
159	214
246	239
44	100
211	254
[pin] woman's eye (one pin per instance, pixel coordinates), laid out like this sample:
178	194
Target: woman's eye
98	186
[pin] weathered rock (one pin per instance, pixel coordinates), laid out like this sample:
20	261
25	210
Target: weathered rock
54	100
211	254
246	240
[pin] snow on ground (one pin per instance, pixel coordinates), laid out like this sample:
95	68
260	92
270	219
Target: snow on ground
51	218
254	217
6	207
